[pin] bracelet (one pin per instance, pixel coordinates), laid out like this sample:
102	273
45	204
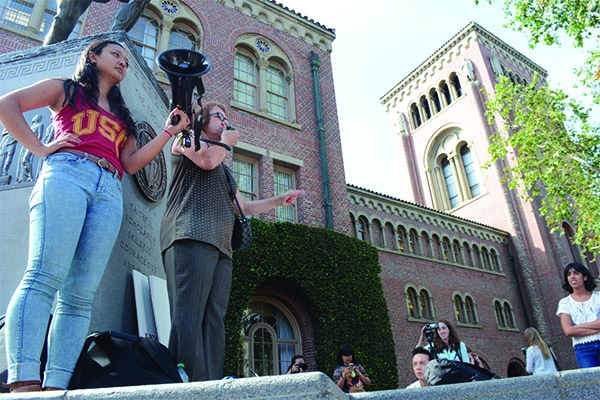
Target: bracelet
167	132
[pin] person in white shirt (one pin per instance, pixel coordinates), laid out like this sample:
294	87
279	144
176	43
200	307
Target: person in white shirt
420	358
580	314
539	358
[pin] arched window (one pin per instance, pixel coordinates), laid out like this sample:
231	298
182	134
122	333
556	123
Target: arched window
455	82
277	96
447	254
456	249
435	99
477	257
245	78
425	107
270	337
495	261
470	171
468	255
263	79
499	312
377	233
509	316
436	247
485	257
363	229
182	37
427	252
450	181
505	317
425	305
452	173
145	35
412	303
401	238
459	309
471	311
413	242
415	115
419	304
445	93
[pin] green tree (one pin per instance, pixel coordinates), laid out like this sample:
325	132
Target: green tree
545	19
548	143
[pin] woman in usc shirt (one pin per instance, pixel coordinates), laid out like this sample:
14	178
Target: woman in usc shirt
579	314
75	208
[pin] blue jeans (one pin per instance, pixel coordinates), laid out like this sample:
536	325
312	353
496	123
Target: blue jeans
74	219
588	354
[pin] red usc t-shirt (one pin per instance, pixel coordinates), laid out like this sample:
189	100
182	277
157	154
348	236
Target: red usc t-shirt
102	134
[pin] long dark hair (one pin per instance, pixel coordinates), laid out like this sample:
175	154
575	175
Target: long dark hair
453	339
589	283
86	78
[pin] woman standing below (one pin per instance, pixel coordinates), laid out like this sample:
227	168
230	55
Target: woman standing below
75	208
539	358
579	314
446	343
350	376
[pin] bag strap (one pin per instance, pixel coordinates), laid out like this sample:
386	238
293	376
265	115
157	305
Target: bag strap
233	193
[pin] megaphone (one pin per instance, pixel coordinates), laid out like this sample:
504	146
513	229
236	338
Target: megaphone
184	69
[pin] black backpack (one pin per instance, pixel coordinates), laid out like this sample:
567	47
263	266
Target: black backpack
120	359
445	372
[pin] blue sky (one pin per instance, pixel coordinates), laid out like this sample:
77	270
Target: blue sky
379	42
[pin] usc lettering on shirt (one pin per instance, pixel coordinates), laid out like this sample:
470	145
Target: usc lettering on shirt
102	134
90	121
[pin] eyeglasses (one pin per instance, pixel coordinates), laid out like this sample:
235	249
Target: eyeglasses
221	117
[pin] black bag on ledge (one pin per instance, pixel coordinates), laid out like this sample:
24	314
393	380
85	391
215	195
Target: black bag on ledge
445	372
112	359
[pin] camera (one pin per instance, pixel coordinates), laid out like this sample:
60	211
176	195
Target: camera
301	368
430	331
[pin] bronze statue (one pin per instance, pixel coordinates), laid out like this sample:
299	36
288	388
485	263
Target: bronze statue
69	12
25	171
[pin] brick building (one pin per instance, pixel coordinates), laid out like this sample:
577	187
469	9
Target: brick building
462	247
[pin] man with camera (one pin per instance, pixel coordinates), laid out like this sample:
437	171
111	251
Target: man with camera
298	365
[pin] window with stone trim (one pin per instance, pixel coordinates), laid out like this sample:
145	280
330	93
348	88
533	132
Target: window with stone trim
31	17
453	175
270	338
465	309
244	171
419	304
505	316
435	100
263	79
401	238
284	180
158	30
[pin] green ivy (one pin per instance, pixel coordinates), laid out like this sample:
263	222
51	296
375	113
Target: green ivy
337	278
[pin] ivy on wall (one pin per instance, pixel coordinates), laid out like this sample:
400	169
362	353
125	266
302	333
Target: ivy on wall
337	278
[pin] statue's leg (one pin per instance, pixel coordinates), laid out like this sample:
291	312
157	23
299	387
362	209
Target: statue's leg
128	15
65	20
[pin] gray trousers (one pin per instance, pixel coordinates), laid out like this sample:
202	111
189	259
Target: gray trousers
198	282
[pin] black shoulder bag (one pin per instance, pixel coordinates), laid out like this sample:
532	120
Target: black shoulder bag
242	229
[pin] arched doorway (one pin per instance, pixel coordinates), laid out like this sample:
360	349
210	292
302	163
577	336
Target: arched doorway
270	338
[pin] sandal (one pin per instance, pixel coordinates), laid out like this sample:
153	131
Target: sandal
24	386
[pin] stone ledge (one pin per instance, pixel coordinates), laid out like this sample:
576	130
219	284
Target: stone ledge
567	385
